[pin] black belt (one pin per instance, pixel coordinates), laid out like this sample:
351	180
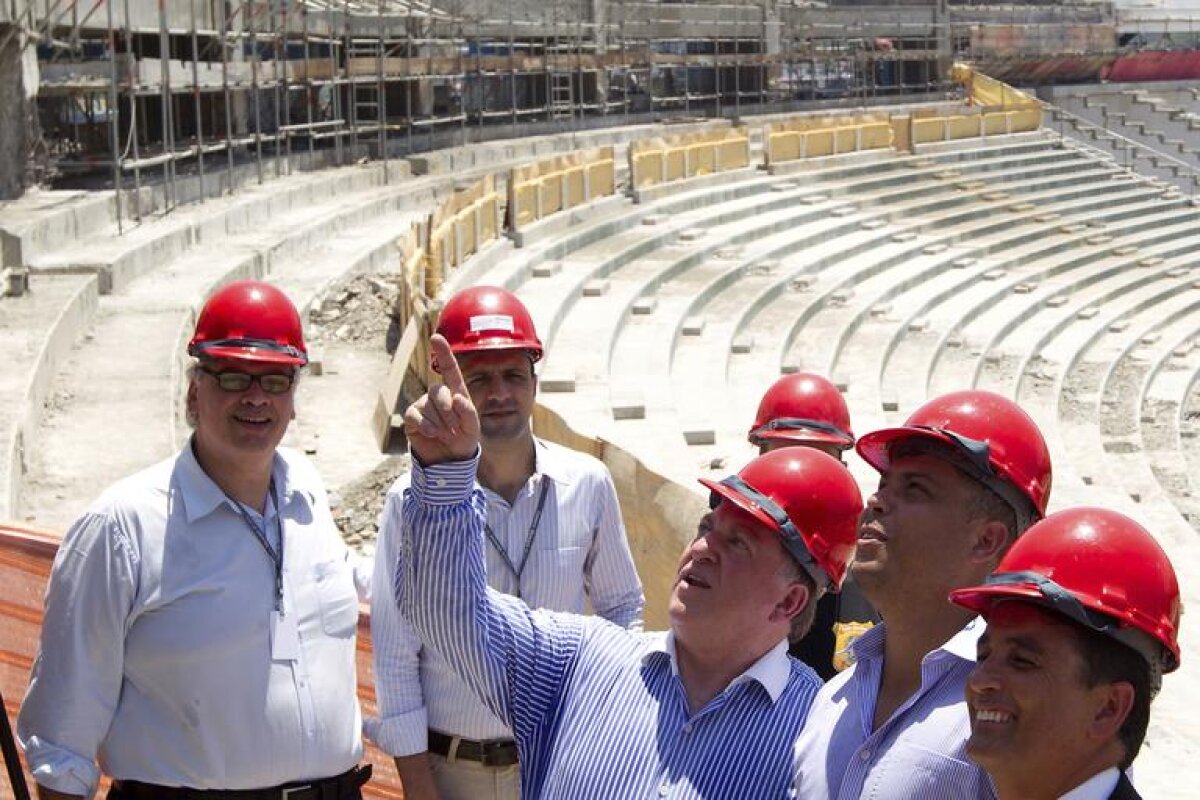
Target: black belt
340	787
492	753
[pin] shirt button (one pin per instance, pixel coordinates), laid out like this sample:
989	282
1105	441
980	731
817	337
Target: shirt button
864	755
687	728
439	483
664	789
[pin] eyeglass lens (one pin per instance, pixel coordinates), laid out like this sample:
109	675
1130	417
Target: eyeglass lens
271	383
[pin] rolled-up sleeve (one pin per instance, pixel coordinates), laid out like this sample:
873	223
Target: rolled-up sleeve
76	680
401	729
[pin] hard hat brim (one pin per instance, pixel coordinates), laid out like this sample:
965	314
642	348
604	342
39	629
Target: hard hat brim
260	355
873	446
728	493
802	436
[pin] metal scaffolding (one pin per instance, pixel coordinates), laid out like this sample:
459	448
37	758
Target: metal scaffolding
148	91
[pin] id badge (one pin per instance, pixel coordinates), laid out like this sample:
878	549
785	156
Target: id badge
285	637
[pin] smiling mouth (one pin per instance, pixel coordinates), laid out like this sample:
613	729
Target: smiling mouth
256	421
692	580
989	715
868	534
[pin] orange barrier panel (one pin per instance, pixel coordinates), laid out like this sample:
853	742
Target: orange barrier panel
26	557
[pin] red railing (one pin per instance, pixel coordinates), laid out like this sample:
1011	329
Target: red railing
26	556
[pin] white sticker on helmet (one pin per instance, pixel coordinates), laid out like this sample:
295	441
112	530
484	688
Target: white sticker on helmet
492	322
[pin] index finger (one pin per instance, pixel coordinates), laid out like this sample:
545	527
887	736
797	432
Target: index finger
447	365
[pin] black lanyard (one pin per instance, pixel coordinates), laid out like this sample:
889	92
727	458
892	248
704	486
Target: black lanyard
261	535
533	528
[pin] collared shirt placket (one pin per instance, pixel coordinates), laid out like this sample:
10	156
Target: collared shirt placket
934	668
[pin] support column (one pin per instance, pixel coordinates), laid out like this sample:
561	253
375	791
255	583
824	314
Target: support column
18	92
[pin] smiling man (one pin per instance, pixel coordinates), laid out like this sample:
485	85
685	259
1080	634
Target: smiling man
966	474
706	710
200	621
554	538
1082	619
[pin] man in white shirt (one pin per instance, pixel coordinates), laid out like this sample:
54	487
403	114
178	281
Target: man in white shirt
554	538
200	621
1082	621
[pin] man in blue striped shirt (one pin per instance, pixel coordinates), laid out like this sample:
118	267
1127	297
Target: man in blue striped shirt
706	710
966	474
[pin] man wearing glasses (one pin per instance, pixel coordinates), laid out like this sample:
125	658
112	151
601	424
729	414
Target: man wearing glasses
959	481
200	620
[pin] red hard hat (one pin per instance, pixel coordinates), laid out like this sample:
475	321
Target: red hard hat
803	407
488	318
1097	567
993	440
250	321
810	498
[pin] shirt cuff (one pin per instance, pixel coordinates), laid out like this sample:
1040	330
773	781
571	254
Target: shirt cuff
402	735
446	484
59	769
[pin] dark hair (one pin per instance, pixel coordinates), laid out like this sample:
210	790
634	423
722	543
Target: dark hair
986	504
1106	660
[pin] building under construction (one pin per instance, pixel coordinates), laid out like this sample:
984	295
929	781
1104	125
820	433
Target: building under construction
111	92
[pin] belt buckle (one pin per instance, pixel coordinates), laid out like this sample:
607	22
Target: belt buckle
284	794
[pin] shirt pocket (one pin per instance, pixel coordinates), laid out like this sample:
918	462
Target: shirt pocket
336	597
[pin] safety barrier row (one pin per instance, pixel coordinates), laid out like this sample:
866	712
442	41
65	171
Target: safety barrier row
982	90
967	126
672	158
812	137
557	184
459	227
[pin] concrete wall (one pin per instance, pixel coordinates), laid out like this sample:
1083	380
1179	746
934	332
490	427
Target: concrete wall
18	70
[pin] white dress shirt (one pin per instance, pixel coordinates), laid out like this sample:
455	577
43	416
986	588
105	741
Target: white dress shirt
1098	787
579	553
156	657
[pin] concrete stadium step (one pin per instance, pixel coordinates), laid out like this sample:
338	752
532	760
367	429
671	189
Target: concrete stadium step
121	257
144	327
37	331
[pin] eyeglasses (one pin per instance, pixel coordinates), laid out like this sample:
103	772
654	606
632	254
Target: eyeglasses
271	383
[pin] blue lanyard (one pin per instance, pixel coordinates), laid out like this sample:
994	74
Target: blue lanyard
260	533
529	537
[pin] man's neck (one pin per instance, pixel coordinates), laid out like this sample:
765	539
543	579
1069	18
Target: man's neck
705	673
505	466
909	637
246	480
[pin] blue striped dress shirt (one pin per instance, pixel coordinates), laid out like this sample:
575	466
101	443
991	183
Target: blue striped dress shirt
597	711
580	554
918	754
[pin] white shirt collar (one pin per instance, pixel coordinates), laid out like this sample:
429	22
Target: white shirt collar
1098	787
201	496
771	671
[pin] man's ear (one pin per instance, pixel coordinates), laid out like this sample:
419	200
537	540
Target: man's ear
991	540
1115	703
795	601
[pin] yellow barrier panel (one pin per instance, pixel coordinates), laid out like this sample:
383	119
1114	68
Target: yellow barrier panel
811	137
932	129
995	124
672	158
1026	119
458	228
555	184
817	143
962	127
